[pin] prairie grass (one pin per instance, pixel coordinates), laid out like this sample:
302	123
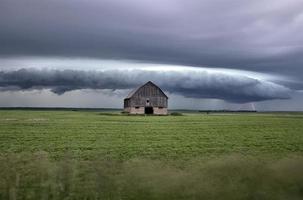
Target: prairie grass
35	176
88	155
91	135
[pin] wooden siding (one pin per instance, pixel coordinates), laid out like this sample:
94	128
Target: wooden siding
153	101
147	95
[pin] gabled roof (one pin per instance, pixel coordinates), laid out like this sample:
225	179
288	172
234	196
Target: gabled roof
136	89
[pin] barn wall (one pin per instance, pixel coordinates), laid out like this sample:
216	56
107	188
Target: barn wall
148	95
141	110
134	110
160	111
149	92
153	101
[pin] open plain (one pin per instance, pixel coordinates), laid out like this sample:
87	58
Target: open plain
65	154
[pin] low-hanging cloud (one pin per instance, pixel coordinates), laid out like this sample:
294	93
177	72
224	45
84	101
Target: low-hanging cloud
232	87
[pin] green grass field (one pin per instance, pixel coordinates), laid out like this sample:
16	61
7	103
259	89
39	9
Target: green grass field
98	155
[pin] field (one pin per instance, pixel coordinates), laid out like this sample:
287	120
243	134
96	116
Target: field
51	154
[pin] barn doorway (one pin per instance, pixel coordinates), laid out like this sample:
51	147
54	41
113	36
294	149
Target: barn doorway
149	110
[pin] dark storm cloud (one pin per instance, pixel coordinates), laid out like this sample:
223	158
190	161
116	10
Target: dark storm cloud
242	34
188	83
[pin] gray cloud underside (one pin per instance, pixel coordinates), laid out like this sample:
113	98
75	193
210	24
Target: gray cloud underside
242	34
194	84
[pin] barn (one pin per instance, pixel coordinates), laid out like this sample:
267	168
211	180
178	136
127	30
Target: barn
147	99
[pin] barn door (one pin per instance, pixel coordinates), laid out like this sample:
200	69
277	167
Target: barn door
149	110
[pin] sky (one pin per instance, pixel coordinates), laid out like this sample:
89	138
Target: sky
210	54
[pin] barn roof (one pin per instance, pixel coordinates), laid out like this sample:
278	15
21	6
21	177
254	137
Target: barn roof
136	89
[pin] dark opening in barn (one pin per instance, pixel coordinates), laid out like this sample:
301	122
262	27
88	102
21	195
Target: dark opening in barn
147	99
149	110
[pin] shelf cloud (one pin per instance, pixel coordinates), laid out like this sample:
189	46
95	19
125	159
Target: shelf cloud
243	35
193	83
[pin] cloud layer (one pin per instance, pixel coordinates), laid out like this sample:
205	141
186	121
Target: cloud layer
259	36
242	34
193	83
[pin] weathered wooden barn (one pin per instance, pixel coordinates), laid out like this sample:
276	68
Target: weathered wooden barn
147	99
